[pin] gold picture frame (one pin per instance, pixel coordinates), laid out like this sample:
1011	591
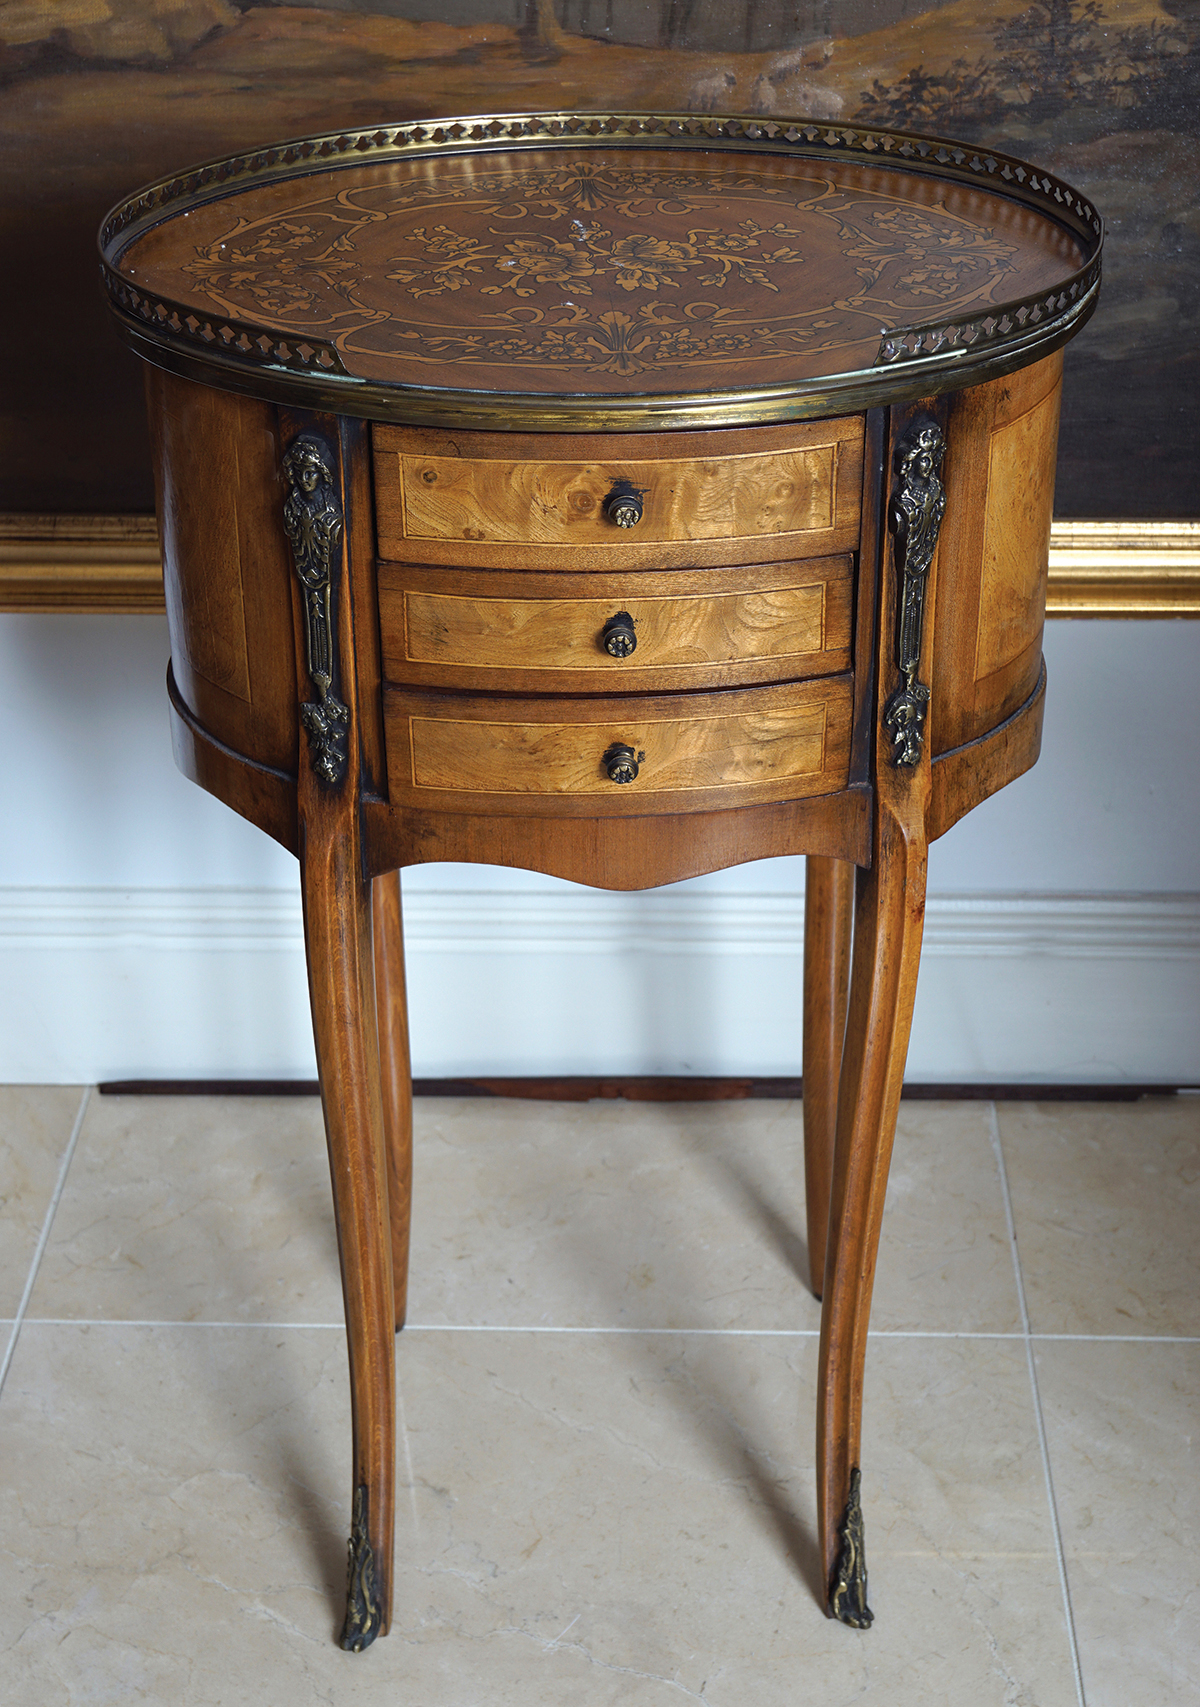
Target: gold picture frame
111	564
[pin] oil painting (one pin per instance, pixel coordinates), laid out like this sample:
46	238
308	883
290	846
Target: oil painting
99	96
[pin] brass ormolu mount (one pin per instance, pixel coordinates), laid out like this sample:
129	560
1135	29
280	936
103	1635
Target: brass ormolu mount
364	1613
914	520
312	519
848	1591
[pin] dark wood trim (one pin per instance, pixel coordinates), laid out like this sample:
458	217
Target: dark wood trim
647	1088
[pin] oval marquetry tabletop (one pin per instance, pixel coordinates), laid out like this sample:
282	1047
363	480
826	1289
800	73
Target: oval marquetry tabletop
603	271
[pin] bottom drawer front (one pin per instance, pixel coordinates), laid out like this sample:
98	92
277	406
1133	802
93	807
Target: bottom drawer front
652	754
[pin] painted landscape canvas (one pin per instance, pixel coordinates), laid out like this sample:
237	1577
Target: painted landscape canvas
97	96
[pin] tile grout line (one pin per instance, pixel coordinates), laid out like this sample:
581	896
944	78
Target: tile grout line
591	1328
1039	1419
44	1236
1122	1339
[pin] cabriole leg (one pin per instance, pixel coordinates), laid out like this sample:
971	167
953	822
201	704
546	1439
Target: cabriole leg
337	932
396	1074
888	916
828	909
322	458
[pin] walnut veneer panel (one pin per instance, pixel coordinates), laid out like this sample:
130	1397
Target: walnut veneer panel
226	571
993	552
1016	535
696	751
489	499
544	632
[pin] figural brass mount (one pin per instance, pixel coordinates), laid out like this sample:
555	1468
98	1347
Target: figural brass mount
312	519
914	520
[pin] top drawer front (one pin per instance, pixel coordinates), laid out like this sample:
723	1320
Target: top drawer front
482	500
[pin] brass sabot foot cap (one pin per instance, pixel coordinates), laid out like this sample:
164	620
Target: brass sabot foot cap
364	1613
848	1590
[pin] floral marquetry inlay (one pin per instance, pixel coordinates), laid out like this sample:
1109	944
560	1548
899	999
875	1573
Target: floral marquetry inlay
611	272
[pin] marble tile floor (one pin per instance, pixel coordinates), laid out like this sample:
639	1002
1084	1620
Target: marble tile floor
606	1399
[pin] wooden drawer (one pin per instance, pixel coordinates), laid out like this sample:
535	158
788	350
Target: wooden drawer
538	501
545	632
547	757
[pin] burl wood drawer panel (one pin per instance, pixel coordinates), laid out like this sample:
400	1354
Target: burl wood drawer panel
694	752
538	501
548	633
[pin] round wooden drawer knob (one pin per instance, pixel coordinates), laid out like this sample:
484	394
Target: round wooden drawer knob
621	762
624	505
617	636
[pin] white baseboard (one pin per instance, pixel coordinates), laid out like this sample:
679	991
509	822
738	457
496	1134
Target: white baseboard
199	983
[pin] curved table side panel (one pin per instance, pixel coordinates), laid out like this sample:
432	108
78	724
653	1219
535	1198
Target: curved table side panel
968	774
265	796
995	542
226	568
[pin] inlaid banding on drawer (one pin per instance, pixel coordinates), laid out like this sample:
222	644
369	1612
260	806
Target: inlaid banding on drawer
680	630
793	492
691	752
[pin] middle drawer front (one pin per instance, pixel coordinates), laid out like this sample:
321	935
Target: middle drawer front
561	633
616	757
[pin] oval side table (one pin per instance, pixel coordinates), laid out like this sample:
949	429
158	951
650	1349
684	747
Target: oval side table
618	496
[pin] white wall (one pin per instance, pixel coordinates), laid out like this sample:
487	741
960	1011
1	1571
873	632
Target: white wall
147	931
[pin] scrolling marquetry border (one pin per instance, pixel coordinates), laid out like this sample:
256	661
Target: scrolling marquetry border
108	564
